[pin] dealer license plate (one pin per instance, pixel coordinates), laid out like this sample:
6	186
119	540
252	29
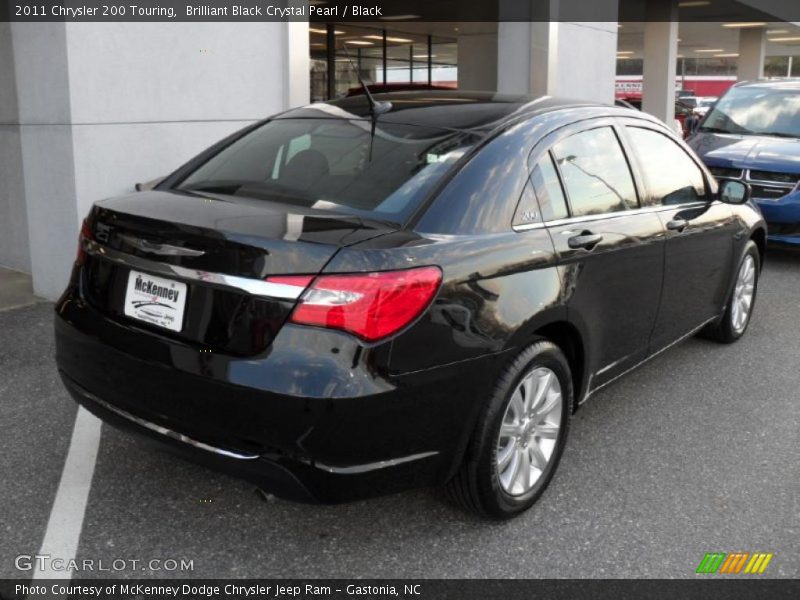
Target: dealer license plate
155	300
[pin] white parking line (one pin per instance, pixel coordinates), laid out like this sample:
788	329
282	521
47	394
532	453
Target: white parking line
66	517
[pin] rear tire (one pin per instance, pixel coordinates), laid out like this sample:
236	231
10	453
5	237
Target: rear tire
741	302
525	420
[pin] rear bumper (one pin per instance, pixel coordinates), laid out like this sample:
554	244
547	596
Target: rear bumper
266	474
296	423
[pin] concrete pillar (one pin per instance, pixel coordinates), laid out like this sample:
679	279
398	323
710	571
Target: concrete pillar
551	57
14	247
101	108
660	56
583	60
297	75
752	50
47	177
514	41
477	56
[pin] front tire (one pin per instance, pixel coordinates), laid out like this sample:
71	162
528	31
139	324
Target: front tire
519	437
741	302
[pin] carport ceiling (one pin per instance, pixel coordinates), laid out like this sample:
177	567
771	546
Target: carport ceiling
698	39
693	35
540	10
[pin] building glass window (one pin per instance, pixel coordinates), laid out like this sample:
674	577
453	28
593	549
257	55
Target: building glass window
386	59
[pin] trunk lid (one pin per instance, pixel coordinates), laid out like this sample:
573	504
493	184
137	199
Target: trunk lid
222	248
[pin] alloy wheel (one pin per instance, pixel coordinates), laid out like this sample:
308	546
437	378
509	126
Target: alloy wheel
743	293
529	431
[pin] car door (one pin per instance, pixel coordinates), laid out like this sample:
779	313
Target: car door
610	251
699	233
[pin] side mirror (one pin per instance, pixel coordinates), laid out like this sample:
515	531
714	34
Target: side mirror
148	185
733	191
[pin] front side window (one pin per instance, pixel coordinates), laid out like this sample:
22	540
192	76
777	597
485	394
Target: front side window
335	165
595	172
671	175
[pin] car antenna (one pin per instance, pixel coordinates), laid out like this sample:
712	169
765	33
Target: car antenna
375	108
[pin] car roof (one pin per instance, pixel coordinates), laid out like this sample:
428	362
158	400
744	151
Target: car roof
775	84
448	109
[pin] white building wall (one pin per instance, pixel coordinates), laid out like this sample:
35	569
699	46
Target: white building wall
14	248
146	97
105	107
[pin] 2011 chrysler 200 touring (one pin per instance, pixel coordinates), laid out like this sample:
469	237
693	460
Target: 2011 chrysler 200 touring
418	288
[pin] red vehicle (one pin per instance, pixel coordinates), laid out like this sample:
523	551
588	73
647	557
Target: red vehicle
697	85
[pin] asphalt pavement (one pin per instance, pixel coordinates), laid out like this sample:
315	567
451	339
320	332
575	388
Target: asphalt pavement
697	451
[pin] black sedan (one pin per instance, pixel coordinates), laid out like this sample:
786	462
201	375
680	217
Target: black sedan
366	295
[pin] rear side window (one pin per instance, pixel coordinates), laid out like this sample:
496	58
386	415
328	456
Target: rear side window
595	172
548	190
672	177
528	208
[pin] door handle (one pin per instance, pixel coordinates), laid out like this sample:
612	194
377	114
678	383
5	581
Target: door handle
586	240
677	224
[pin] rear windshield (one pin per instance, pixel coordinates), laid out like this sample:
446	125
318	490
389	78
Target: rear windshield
335	165
756	110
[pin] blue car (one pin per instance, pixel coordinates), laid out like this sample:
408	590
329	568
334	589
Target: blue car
753	134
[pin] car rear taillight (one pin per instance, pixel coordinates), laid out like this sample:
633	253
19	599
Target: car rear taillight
85	234
371	306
